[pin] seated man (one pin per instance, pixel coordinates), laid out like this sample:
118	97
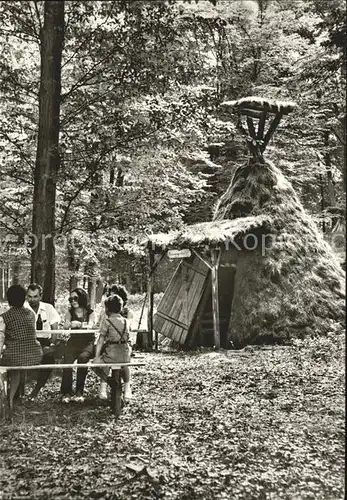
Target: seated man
47	318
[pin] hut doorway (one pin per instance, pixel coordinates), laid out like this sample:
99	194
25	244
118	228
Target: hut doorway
202	331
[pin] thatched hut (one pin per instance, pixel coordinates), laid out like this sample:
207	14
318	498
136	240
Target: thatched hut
273	276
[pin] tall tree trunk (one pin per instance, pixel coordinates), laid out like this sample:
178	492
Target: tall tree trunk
93	274
8	274
128	278
327	161
330	180
92	290
3	285
344	146
47	156
322	199
73	263
120	177
99	290
16	272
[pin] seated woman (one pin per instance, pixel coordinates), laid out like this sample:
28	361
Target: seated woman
80	346
18	334
112	345
121	291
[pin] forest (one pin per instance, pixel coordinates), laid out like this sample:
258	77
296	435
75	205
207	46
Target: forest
113	131
142	144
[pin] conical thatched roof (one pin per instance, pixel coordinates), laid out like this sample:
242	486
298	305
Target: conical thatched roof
288	282
295	286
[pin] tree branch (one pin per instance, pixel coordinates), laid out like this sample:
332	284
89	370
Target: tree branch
4	134
85	78
38	16
9	228
37	35
67	120
90	35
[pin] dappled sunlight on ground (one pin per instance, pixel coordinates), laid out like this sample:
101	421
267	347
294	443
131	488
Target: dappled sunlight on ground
248	424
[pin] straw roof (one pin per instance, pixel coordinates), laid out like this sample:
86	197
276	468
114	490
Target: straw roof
212	233
294	288
261	104
291	287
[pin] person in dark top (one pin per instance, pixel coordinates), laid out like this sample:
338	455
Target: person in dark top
122	292
18	334
80	346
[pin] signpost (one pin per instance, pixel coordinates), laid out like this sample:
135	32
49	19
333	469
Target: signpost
179	254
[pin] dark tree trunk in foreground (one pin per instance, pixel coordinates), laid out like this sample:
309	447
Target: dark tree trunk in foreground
47	157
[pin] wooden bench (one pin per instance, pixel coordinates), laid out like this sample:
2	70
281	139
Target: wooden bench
116	388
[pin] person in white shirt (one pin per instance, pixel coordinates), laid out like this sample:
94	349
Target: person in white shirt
47	318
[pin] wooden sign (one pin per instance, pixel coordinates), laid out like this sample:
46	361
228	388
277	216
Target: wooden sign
179	254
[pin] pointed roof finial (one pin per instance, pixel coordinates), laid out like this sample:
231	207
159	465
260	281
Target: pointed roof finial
253	107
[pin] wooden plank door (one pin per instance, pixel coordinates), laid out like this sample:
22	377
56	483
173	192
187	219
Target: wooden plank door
181	299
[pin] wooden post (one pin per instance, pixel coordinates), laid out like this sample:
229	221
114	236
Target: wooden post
150	292
3	397
261	126
3	282
215	256
8	274
9	402
273	125
185	291
157	258
116	393
142	309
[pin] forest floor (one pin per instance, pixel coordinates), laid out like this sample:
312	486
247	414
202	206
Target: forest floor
259	423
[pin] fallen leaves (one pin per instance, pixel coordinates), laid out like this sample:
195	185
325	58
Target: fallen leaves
256	424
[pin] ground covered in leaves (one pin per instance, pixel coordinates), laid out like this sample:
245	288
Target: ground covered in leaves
260	423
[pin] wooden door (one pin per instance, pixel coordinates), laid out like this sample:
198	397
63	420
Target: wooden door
181	299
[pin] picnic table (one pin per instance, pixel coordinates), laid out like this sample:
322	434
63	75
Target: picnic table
116	388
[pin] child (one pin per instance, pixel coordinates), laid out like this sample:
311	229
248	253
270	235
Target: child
112	345
121	291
